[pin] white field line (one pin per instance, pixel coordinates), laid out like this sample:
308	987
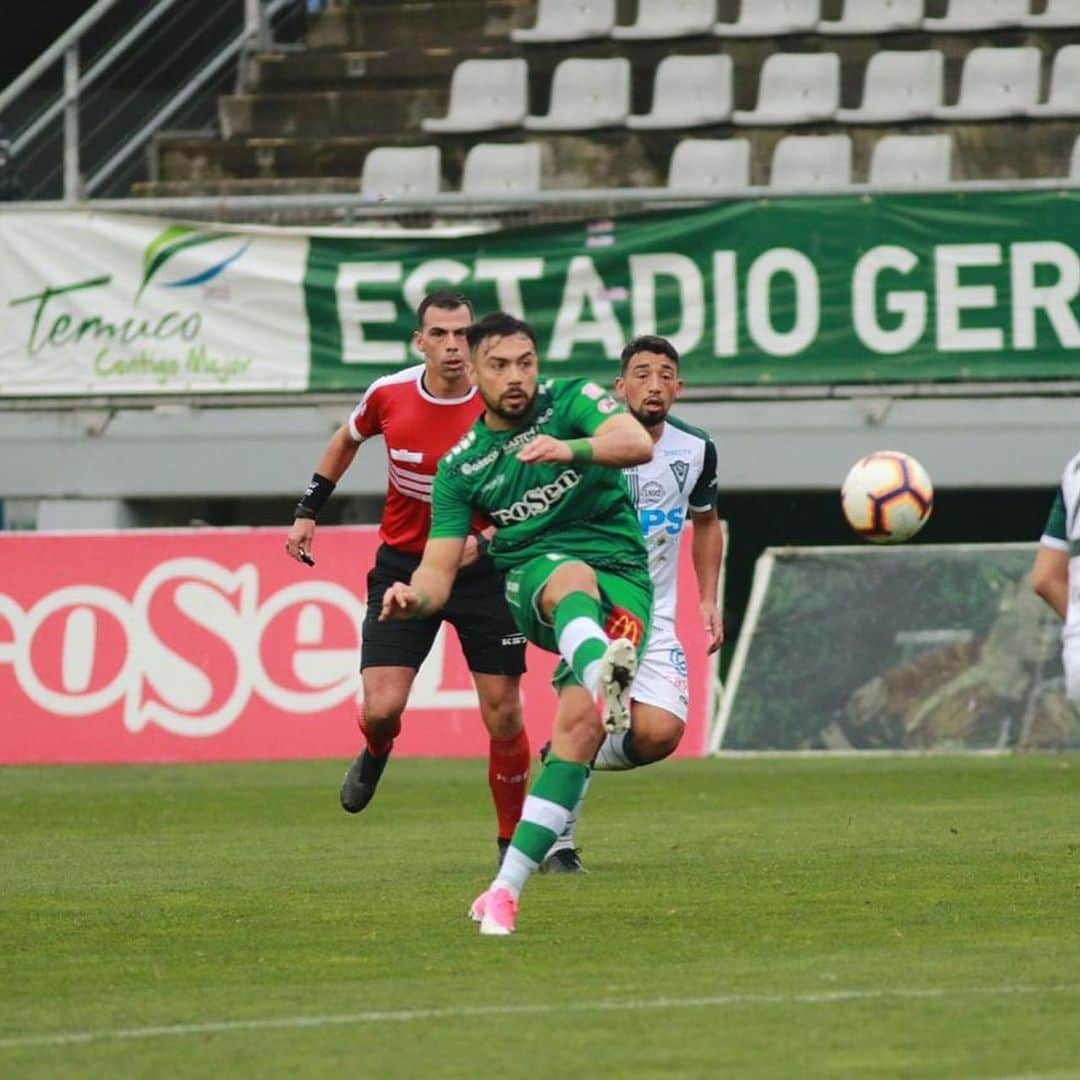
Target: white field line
403	1016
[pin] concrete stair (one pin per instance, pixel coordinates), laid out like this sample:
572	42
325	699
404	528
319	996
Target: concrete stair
373	69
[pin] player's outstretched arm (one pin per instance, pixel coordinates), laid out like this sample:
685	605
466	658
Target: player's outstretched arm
707	550
430	585
336	458
619	442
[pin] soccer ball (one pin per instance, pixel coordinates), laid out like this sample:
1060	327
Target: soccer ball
887	497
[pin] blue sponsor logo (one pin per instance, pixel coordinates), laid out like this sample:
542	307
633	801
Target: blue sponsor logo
678	660
671	522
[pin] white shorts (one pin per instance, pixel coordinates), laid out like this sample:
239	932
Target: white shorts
661	678
1070	659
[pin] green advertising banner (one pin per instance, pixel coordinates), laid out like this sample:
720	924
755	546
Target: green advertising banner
850	289
783	291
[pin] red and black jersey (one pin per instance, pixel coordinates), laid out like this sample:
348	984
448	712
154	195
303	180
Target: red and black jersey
418	430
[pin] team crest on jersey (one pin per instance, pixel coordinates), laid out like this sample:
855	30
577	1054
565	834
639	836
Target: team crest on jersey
650	492
681	469
623	623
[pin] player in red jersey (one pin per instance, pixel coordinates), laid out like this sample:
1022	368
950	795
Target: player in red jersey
421	412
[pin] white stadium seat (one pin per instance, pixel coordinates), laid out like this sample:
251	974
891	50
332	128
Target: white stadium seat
811	161
1057	13
1064	97
875	17
996	83
664	19
963	15
899	85
710	165
689	91
766	18
586	94
795	88
501	169
394	172
484	95
911	160
568	20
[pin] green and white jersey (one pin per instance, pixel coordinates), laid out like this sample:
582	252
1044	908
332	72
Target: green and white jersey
680	477
582	510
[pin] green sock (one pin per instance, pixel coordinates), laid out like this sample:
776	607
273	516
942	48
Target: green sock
579	631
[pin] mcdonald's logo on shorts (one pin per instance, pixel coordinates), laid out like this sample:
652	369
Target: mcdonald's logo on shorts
623	623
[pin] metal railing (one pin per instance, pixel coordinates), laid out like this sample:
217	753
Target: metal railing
240	27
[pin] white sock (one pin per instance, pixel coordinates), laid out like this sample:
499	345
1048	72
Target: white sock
516	869
566	837
612	757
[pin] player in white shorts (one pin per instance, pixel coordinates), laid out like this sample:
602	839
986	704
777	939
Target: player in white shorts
678	484
1056	572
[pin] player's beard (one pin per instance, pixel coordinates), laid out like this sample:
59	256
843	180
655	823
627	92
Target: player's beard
649	420
511	416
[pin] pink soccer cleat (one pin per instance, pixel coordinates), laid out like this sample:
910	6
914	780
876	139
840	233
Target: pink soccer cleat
495	911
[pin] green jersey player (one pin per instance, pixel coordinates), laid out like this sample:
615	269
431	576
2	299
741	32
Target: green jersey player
543	464
677	486
1052	574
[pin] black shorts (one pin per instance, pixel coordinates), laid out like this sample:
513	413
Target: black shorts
477	610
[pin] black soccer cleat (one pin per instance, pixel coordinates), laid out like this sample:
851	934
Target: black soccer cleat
563	861
358	787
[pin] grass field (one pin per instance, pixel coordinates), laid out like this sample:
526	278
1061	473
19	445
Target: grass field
861	918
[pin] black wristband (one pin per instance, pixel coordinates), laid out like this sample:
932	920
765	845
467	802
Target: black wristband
482	545
314	497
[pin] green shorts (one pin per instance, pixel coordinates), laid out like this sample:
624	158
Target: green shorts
626	597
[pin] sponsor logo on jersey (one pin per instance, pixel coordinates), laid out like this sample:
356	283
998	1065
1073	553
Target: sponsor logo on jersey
530	433
681	468
623	623
538	500
469	468
671	522
413	457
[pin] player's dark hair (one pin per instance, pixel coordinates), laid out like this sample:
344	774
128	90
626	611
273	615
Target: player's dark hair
498	324
648	343
444	300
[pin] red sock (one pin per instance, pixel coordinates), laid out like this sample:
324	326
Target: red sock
380	743
508	775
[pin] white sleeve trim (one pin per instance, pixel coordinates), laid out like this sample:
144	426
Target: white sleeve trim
1054	542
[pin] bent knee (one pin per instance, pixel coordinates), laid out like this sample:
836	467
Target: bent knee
657	740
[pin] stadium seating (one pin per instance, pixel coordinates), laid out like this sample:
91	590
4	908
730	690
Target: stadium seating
485	95
795	88
689	91
966	15
1058	13
899	86
395	172
568	20
1074	161
911	160
996	83
1064	96
586	94
501	169
710	164
767	18
875	17
661	19
805	162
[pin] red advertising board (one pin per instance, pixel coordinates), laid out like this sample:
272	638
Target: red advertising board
213	645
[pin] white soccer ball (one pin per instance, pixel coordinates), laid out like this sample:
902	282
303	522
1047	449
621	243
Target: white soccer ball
887	497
